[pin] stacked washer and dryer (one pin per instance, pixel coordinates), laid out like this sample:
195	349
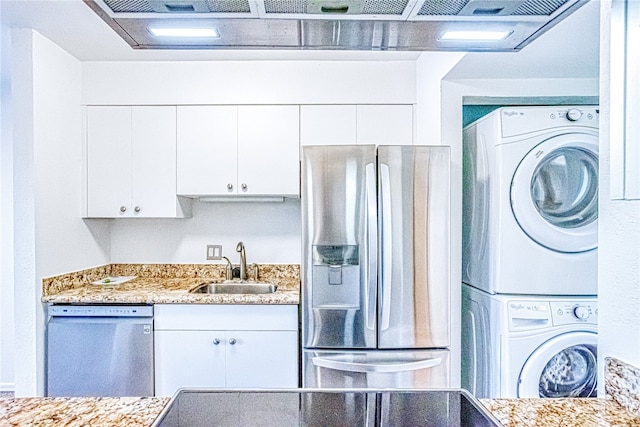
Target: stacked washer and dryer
529	293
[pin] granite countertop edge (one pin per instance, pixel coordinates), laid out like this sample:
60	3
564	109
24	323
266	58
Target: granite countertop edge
143	411
165	284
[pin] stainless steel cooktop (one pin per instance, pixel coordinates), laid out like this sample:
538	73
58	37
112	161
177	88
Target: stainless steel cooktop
325	407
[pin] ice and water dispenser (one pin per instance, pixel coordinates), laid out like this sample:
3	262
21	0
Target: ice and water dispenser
336	277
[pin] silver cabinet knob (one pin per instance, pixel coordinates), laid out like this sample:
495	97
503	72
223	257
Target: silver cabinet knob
123	209
232	341
229	187
244	187
136	209
216	341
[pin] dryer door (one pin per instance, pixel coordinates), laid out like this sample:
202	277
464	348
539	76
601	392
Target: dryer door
564	366
554	193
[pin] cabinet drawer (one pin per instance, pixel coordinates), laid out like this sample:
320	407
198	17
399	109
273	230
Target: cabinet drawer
198	317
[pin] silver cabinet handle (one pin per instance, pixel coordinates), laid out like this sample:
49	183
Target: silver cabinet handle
123	209
216	341
244	187
136	209
232	341
340	365
229	187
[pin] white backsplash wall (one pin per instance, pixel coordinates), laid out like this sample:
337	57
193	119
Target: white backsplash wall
270	232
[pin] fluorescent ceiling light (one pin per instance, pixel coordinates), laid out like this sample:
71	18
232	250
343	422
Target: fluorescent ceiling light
475	35
185	32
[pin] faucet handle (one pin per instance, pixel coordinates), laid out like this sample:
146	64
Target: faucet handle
228	272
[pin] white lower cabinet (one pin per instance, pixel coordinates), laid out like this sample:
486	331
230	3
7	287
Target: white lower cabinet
225	346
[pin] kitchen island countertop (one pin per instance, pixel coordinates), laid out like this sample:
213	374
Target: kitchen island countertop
142	411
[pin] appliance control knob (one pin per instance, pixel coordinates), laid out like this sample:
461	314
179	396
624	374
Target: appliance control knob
574	115
232	341
216	341
581	312
123	209
244	187
137	209
229	187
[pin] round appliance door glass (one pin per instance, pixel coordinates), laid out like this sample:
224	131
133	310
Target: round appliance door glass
554	193
565	366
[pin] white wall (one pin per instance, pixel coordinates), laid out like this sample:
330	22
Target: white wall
6	215
270	231
619	240
247	82
50	236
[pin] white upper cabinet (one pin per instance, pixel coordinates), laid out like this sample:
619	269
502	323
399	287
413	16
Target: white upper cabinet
131	162
244	150
328	124
207	150
356	124
385	124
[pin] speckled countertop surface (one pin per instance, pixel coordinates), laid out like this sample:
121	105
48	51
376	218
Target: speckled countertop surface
135	412
560	412
81	411
166	284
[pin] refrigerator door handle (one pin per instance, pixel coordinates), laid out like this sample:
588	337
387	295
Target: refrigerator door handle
340	365
386	246
372	245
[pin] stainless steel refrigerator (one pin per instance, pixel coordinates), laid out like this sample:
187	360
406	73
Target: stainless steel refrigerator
376	266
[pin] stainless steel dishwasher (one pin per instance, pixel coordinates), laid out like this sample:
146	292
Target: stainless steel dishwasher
100	350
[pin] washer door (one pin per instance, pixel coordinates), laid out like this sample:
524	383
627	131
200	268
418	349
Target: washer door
554	193
564	366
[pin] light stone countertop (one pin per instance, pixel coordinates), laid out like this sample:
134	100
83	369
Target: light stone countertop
142	411
166	284
569	412
81	411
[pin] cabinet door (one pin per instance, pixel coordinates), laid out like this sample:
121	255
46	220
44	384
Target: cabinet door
188	359
207	150
268	150
108	161
385	124
153	170
262	359
327	124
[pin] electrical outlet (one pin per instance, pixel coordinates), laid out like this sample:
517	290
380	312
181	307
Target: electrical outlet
214	252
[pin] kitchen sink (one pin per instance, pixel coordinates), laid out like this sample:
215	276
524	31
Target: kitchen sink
235	288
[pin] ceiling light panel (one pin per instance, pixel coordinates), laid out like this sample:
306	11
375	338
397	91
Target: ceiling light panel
184	32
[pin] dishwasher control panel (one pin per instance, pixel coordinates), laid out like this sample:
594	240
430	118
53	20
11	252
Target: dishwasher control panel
101	310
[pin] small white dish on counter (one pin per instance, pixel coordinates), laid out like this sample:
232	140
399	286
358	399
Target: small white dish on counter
113	280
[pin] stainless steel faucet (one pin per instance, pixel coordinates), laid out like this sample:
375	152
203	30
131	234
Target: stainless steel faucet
243	261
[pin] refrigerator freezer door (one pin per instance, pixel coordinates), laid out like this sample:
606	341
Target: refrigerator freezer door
376	369
414	267
339	264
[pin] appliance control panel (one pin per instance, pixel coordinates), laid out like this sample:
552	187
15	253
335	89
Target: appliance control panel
574	312
528	315
101	310
523	120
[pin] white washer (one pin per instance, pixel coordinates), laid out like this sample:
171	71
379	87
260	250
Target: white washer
528	346
530	201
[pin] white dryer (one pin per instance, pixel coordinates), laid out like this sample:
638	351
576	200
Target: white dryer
528	346
530	201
